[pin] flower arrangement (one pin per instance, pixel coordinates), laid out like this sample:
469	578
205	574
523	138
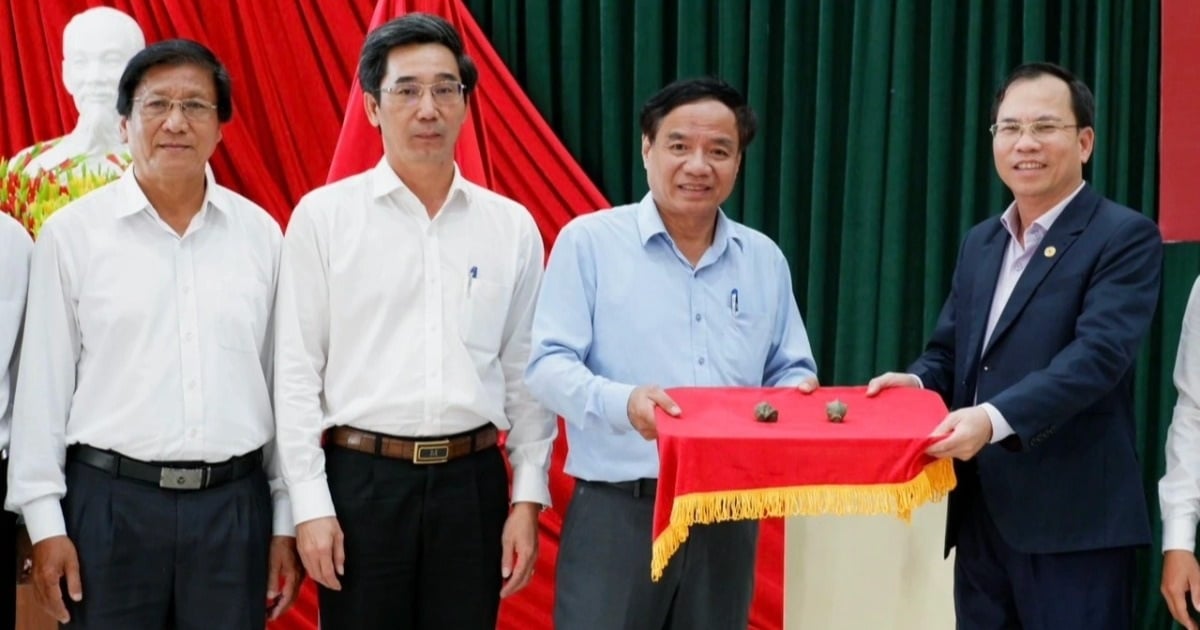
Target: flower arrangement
30	199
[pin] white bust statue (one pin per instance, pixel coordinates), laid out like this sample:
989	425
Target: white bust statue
97	44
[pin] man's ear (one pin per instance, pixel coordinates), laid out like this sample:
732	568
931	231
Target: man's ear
372	108
123	128
646	143
1087	142
68	77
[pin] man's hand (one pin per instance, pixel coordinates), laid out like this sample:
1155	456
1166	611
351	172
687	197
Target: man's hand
808	385
520	538
1180	580
320	542
969	430
888	380
53	559
283	565
641	406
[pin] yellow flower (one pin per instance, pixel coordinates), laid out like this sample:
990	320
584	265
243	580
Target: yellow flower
31	199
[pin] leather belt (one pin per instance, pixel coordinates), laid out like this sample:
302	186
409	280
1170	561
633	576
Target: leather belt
638	487
169	476
426	450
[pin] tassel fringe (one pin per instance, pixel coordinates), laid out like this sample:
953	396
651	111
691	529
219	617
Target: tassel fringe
932	484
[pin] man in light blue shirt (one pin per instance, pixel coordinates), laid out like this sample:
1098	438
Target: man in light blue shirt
667	292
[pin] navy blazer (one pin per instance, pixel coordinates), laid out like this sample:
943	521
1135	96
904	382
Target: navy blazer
1059	367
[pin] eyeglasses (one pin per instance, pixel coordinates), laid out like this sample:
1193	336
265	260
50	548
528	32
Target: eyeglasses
1038	129
410	92
194	109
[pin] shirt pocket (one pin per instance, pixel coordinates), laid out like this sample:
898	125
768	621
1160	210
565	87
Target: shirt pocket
241	316
743	345
484	312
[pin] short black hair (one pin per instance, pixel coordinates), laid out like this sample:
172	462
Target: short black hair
175	52
686	91
1083	104
409	29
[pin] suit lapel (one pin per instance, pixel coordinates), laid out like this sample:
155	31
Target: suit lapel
983	288
1060	237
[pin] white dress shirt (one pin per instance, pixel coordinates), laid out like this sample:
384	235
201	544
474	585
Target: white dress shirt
1179	489
149	344
392	322
15	246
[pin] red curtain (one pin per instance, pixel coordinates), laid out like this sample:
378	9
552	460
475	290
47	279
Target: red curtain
1179	136
291	61
293	65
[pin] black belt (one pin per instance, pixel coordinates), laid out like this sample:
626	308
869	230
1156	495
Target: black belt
638	487
169	475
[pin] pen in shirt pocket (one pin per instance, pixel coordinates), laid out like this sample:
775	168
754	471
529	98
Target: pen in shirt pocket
472	273
733	302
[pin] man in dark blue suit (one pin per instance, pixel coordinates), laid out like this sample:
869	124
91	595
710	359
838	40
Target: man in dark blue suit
1034	353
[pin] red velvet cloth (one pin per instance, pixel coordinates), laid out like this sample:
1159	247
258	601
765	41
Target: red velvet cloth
718	447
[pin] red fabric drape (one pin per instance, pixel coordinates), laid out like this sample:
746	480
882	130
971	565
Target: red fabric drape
293	66
719	463
1179	138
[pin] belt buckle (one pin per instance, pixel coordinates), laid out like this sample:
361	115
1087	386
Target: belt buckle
181	478
433	452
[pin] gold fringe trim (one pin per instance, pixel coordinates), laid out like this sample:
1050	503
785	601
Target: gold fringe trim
931	484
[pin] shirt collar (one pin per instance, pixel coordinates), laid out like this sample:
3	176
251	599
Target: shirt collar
385	181
133	199
650	222
1010	220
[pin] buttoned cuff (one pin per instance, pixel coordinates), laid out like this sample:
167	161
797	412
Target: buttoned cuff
281	516
615	398
44	519
311	500
1179	533
1000	427
529	485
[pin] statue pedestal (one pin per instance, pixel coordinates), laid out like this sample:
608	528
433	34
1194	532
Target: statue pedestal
852	572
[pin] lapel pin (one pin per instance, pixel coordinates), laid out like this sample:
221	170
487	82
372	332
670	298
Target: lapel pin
1050	251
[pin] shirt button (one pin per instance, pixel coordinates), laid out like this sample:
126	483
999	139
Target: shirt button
698	317
187	289
987	368
191	384
700	361
187	336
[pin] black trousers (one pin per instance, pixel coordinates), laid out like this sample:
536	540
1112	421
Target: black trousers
422	541
603	576
997	587
8	558
153	558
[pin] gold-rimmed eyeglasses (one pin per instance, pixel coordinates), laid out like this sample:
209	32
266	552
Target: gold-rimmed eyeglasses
1038	129
194	109
410	92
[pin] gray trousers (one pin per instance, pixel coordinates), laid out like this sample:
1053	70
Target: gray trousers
603	575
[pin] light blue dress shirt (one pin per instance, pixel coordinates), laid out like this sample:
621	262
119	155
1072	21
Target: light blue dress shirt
620	306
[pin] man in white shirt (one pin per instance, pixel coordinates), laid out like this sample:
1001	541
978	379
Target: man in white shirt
141	421
406	296
1179	489
15	246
